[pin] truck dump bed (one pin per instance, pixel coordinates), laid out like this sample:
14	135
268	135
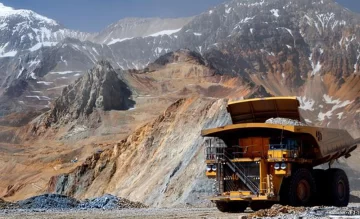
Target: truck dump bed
251	115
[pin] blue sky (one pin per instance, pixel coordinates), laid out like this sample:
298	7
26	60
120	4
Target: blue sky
95	15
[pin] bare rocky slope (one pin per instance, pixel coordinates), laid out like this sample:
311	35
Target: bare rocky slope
151	165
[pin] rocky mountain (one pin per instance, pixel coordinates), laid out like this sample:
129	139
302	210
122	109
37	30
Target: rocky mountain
24	31
291	40
287	47
39	56
100	88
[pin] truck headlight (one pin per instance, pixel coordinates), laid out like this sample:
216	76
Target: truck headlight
208	168
213	168
277	166
283	166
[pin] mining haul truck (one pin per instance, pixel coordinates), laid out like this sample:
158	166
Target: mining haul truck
256	163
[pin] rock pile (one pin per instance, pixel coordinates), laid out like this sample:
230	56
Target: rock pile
55	201
285	121
7	205
49	201
277	210
110	202
280	211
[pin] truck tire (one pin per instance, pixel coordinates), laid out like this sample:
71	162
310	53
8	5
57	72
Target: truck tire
223	206
320	177
231	207
258	205
338	187
302	188
239	207
284	191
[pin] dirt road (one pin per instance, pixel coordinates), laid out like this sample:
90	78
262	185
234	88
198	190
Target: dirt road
352	211
128	213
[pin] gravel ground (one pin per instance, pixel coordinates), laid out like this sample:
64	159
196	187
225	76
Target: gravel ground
126	213
353	211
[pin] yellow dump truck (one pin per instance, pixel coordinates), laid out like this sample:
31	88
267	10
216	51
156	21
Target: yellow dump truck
258	163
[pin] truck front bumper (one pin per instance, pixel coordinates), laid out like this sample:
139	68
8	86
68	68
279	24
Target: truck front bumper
239	196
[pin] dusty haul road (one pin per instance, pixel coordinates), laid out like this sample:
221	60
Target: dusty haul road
127	213
352	211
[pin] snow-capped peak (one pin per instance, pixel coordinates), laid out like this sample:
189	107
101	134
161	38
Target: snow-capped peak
6	11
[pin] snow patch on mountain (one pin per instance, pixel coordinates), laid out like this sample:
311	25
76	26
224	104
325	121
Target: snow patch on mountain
275	12
337	105
247	19
252	4
228	10
44	82
340	115
316	68
164	32
8	54
44	44
34	62
329	99
113	41
63	72
306	103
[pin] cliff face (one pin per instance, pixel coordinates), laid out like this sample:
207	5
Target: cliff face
82	102
100	88
160	164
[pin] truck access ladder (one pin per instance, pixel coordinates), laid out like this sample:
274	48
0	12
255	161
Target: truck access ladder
221	157
240	172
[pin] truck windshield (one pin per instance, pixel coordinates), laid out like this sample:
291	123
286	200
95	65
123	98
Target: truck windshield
286	144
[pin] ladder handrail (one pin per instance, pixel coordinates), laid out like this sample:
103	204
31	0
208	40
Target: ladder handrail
220	151
241	174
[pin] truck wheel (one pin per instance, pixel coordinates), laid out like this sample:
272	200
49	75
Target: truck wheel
258	205
223	206
239	206
302	188
339	190
320	177
233	207
284	191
